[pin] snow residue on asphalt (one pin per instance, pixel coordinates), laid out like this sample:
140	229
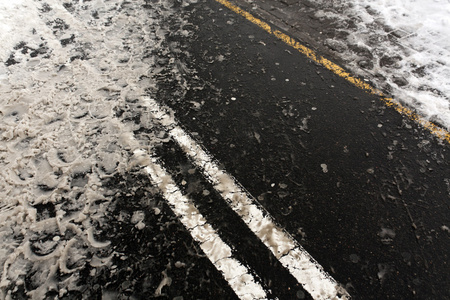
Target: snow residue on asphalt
403	46
65	72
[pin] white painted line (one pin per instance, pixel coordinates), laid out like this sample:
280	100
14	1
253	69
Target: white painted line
286	249
218	252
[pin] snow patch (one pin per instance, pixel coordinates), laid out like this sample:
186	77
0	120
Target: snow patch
402	46
68	77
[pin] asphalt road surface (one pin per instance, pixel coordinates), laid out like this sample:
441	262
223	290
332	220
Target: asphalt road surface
363	189
180	151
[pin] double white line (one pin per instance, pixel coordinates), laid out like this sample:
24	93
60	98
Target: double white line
219	253
291	255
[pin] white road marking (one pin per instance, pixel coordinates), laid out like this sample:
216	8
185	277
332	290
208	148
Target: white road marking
218	252
286	249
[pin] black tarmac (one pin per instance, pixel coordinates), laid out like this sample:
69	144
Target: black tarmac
363	189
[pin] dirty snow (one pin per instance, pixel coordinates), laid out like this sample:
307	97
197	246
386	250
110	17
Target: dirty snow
403	46
69	76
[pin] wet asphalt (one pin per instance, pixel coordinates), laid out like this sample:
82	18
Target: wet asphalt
363	189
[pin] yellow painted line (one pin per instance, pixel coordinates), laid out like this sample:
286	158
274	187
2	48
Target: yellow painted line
434	129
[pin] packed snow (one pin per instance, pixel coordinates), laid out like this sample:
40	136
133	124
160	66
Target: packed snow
403	46
69	84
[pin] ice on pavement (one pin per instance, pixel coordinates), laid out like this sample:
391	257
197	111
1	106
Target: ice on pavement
403	46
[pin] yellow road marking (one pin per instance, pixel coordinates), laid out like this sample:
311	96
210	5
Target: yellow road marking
434	129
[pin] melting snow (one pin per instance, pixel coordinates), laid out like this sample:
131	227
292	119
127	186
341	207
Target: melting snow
65	72
402	45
